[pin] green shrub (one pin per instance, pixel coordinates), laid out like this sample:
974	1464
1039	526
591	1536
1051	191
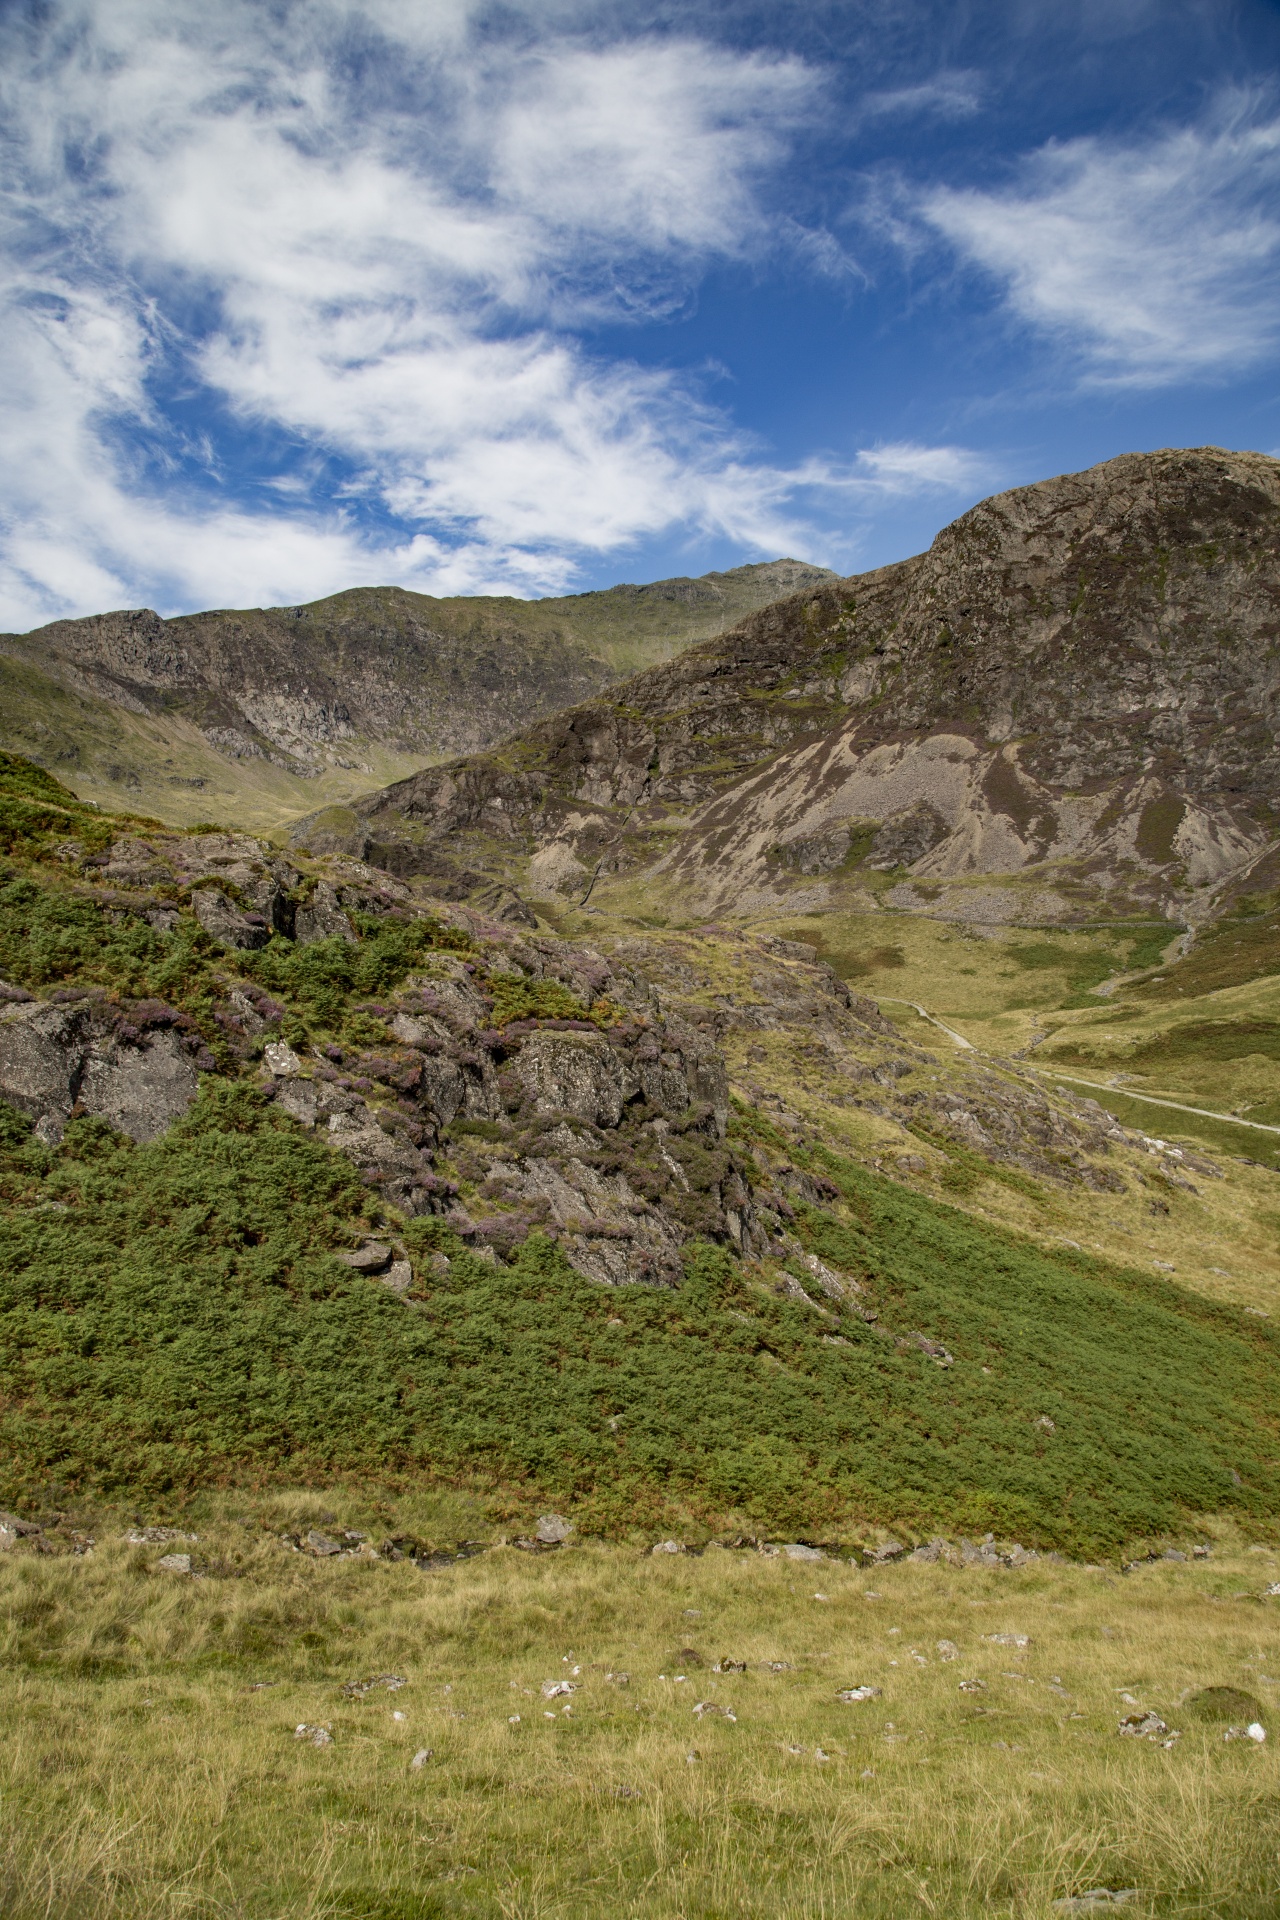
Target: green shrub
175	1318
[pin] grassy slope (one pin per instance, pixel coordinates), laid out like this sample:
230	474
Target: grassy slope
149	1770
173	1316
160	763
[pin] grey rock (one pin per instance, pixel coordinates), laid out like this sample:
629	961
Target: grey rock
398	1276
298	1097
505	904
55	1057
609	1233
552	1529
381	1682
713	1709
929	1553
42	1051
322	918
795	1550
316	1736
140	1089
13	1529
443	1088
387	1158
321	1545
891	1550
224	922
372	1257
418	1030
667	1546
1143	1725
175	1562
575	1073
1095	1900
281	1059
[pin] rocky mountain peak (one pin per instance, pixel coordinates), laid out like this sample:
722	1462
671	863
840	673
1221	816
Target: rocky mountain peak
1076	686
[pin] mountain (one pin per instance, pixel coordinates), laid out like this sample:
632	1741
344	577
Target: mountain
256	715
1065	709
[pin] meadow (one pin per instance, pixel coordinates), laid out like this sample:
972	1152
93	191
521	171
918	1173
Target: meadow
151	1761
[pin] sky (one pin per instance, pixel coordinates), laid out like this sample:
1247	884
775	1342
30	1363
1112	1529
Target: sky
301	295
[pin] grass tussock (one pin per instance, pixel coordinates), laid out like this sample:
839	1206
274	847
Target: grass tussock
150	1763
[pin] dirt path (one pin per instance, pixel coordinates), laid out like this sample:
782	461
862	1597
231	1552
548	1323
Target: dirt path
1096	1086
951	1033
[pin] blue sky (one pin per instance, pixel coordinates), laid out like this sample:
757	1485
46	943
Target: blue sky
305	294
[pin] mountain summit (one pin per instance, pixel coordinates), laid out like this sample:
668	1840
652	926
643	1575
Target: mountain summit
1067	705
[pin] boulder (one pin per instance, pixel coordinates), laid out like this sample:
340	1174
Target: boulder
388	1160
141	1089
298	1097
372	1257
225	922
321	918
608	1233
13	1529
55	1058
42	1051
575	1073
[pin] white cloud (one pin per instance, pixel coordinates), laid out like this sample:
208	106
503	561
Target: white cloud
203	194
905	467
948	96
1156	260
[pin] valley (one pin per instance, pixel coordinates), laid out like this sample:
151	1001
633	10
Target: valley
617	1319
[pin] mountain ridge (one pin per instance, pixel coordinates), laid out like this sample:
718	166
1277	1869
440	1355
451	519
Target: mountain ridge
270	708
1069	705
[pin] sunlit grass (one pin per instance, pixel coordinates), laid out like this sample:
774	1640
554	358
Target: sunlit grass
142	1775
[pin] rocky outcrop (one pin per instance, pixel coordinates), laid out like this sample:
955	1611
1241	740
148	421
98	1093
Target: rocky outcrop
61	1059
1076	688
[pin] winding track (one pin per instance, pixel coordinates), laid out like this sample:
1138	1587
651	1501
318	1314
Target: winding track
1098	1086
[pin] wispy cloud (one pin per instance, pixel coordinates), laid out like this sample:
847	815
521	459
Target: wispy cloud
1154	260
947	96
906	467
372	237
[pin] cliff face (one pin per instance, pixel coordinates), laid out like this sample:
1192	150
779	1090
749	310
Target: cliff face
1075	689
343	692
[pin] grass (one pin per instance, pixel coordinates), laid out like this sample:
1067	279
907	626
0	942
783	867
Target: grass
161	763
172	1317
142	1774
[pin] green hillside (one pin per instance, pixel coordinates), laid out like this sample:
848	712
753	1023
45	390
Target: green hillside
172	1315
173	1318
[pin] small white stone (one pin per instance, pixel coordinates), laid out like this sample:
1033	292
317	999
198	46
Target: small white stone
282	1060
